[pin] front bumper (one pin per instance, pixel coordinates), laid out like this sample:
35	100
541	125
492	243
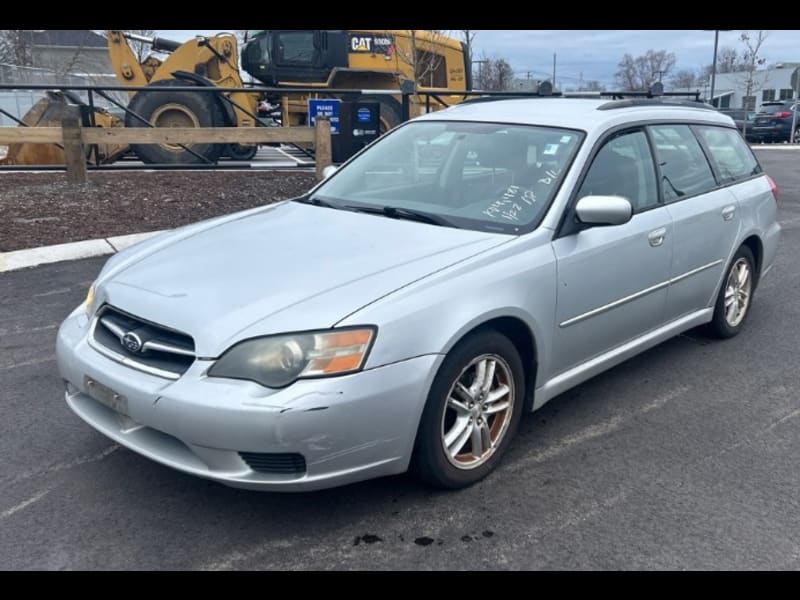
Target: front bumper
347	428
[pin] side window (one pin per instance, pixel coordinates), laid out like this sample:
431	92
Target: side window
296	47
684	168
729	153
623	167
431	69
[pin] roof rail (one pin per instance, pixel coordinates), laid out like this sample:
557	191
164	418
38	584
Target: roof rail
526	96
614	104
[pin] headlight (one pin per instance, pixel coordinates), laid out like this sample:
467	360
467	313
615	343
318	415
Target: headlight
278	361
88	305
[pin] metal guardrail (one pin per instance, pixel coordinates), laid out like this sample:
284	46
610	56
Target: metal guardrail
433	100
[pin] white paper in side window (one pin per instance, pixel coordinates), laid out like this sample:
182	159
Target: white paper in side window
550	149
565	139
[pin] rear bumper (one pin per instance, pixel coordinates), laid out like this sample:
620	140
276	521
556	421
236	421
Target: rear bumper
772	133
346	428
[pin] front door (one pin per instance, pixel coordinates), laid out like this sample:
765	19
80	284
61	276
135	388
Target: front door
612	281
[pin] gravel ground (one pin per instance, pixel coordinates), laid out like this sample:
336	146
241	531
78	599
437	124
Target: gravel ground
40	209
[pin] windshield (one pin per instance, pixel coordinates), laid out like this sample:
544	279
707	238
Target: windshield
484	176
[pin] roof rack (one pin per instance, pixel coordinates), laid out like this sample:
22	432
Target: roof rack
619	99
654	96
544	89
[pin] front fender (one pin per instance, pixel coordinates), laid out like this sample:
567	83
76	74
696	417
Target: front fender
431	316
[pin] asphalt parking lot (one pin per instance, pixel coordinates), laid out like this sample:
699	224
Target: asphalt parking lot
682	458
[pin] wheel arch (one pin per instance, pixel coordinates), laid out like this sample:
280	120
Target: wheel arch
756	246
521	333
227	109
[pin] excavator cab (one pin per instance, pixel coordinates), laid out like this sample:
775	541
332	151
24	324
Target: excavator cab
276	57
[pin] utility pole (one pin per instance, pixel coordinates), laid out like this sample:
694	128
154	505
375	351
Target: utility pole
554	70
714	66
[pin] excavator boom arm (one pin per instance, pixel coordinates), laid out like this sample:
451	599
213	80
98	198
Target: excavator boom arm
126	66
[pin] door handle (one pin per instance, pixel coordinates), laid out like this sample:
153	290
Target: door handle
656	238
728	212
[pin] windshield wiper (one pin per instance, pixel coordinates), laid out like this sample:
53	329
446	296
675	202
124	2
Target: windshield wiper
408	214
317	201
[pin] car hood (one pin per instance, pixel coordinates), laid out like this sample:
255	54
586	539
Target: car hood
286	267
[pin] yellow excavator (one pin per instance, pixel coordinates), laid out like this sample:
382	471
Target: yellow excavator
359	59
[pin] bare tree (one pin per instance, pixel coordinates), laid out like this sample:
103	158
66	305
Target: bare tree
640	72
494	74
69	60
685	78
751	60
424	56
729	61
141	49
16	47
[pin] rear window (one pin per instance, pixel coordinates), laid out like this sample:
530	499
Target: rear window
773	107
729	153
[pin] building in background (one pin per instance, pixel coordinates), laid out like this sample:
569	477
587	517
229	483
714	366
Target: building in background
57	57
778	82
71	52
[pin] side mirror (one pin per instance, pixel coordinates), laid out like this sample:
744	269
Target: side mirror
604	210
328	171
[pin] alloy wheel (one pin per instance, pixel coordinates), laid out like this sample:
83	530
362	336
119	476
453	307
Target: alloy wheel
737	292
478	411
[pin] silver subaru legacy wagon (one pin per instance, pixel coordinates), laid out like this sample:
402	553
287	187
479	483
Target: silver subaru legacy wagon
470	265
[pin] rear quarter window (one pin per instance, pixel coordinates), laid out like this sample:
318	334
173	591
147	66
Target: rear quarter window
729	153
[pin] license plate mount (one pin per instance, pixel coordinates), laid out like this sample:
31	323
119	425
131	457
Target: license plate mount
106	396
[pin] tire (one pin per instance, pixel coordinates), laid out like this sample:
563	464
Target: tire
444	421
240	152
176	109
727	321
391	111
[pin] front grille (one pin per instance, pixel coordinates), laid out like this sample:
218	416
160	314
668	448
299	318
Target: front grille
141	344
275	463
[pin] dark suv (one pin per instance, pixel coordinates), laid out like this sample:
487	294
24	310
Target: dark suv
774	122
739	115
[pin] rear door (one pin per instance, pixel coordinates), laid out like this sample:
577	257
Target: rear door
704	216
612	280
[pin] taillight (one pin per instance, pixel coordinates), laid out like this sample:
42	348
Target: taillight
773	188
782	115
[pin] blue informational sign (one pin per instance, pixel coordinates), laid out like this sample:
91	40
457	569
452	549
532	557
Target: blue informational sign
325	108
364	115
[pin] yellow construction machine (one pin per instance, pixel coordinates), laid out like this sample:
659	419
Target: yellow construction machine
369	60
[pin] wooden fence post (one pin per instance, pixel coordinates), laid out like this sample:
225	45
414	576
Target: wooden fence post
74	154
322	145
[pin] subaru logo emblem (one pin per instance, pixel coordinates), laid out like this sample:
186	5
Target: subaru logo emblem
132	342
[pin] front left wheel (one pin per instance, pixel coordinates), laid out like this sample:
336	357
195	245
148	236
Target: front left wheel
175	108
472	413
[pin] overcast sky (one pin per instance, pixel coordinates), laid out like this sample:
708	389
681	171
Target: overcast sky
594	54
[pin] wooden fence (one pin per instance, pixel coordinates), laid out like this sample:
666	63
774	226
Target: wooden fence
75	138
